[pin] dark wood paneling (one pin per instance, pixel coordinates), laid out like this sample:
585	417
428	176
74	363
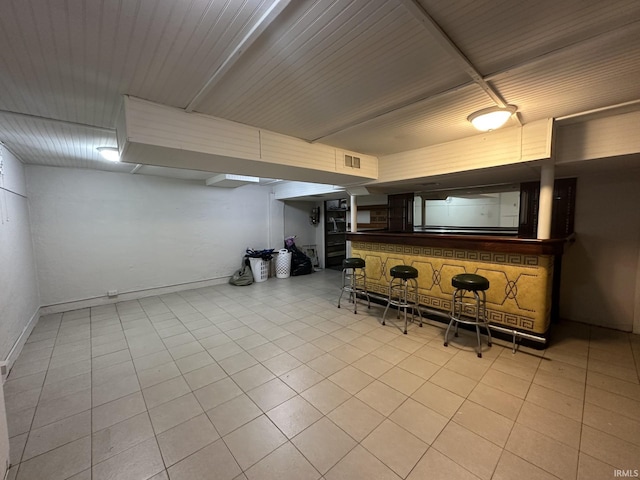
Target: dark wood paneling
564	204
401	212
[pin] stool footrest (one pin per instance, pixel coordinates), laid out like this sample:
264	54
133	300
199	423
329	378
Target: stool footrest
470	321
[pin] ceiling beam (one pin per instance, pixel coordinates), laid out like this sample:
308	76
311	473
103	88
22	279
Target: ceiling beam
417	10
256	30
395	108
55	120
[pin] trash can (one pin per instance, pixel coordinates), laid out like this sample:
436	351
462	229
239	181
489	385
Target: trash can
259	268
283	264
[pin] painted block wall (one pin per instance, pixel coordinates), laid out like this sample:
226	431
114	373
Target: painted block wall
98	231
4	436
19	300
600	271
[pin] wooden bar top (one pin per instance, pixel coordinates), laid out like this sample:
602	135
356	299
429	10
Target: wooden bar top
488	243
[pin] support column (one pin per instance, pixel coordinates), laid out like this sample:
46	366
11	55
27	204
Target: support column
545	205
354	213
354	220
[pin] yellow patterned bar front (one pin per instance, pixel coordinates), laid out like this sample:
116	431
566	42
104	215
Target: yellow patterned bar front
520	292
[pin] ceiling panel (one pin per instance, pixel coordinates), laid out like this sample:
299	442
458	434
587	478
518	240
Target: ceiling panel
594	74
362	75
57	144
418	124
72	59
323	66
498	34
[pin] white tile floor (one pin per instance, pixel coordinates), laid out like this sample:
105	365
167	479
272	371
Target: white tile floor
272	381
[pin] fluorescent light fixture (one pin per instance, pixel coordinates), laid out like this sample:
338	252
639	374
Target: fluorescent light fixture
491	118
109	153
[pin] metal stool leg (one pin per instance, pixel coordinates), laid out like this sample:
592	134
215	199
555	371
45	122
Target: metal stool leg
343	285
388	302
484	316
404	302
364	287
354	273
416	303
451	318
477	297
353	291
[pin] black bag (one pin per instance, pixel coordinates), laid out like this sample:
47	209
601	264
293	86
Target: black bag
243	276
301	264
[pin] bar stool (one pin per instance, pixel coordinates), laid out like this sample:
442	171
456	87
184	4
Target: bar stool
469	305
353	272
403	282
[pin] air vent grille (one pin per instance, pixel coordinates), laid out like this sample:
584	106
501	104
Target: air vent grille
351	161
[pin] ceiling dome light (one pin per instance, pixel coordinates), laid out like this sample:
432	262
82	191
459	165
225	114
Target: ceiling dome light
491	118
109	153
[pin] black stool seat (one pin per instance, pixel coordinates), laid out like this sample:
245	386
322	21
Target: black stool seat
403	271
470	282
353	263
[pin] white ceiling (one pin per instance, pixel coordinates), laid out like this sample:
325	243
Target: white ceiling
372	76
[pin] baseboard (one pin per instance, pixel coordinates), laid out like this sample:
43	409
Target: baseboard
126	296
7	364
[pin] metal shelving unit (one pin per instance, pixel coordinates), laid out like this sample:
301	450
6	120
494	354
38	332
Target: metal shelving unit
336	225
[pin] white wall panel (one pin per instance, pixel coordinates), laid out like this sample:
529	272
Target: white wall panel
598	138
163	126
497	148
170	137
291	151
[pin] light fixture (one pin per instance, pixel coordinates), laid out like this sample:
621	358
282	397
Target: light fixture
491	118
109	153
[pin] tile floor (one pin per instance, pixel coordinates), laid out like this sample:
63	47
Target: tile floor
272	381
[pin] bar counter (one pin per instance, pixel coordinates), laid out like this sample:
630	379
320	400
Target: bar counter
521	271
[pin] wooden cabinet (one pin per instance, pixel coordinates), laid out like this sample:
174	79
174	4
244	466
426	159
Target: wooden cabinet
564	206
401	212
336	221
